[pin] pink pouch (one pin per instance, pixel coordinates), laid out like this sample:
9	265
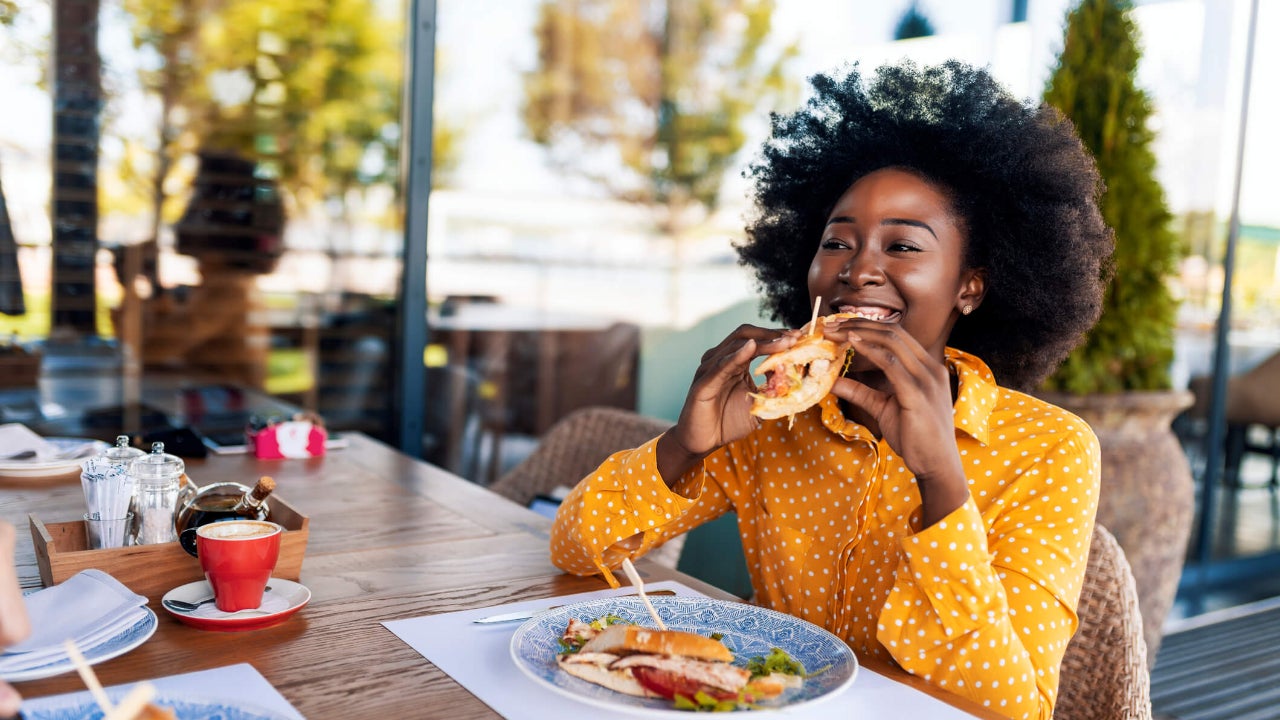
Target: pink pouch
288	439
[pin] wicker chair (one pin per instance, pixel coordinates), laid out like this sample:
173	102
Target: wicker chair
575	446
1104	672
1253	402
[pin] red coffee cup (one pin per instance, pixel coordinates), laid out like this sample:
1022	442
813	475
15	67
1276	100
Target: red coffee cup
237	557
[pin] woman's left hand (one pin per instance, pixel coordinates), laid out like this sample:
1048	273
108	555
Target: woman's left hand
914	414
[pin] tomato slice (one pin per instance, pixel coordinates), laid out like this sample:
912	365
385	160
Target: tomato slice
668	684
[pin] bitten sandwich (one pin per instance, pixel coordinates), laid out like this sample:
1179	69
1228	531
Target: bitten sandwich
797	378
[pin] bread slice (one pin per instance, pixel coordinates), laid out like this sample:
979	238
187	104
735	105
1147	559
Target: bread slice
626	639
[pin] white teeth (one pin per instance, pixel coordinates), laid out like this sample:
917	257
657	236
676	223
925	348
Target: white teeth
868	313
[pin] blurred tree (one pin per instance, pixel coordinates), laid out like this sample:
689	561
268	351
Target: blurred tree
310	89
648	99
913	24
1095	85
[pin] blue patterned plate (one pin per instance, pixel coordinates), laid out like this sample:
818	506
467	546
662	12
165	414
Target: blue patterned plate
114	646
80	706
748	631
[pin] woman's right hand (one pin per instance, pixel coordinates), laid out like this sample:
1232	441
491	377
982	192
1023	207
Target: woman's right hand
717	409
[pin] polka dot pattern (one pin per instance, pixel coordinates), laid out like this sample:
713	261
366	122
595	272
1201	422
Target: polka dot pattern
982	603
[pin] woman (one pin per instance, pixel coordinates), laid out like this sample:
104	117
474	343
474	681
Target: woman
926	510
13	614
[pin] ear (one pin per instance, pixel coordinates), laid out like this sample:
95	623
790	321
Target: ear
973	288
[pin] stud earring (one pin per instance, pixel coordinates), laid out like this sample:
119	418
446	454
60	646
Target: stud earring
967	309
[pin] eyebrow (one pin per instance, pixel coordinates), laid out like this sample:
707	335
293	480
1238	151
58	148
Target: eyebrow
886	221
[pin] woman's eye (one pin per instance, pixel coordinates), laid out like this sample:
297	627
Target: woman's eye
903	246
833	244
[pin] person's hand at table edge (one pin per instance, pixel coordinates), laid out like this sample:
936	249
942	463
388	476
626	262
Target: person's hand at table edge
13	615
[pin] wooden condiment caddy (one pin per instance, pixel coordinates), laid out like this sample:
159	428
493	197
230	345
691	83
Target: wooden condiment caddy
151	570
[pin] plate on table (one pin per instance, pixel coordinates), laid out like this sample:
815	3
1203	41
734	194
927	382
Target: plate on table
37	468
279	602
80	706
747	630
114	646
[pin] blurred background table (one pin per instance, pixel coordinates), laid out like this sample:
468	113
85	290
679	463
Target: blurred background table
100	403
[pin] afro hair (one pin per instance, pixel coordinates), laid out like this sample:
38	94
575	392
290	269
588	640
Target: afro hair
1025	188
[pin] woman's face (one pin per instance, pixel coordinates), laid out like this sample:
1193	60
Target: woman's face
893	249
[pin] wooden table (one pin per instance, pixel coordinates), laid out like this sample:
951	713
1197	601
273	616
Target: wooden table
391	538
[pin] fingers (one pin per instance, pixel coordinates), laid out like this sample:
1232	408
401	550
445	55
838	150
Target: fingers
917	379
732	349
14	625
869	399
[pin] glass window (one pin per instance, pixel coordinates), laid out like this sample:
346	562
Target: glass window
204	205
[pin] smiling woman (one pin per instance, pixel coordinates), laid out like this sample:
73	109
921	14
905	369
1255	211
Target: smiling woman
924	510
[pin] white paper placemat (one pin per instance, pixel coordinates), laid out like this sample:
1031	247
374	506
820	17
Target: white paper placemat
478	657
239	683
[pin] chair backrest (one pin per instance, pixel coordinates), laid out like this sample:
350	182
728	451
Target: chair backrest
574	446
1104	672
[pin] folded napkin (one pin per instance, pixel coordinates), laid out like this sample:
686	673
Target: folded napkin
18	438
90	607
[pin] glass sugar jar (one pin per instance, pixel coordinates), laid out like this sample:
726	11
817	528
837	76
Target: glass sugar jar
157	476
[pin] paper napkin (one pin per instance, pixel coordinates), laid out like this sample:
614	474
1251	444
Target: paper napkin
16	438
89	608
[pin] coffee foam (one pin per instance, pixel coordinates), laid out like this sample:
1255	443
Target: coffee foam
236	530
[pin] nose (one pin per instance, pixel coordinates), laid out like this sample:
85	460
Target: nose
862	269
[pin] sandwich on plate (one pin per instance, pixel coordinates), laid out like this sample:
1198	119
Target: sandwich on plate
685	667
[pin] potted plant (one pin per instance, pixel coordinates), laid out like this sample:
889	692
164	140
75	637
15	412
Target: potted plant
1119	379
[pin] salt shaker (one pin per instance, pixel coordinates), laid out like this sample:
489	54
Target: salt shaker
157	476
118	459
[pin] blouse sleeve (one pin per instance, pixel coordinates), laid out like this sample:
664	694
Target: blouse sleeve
625	509
985	607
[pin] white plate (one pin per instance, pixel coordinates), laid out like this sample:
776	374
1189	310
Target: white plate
49	468
748	631
114	646
80	707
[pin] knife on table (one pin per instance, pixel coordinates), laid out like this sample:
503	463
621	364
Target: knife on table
526	614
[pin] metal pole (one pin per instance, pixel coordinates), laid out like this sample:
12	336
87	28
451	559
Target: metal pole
1222	349
411	321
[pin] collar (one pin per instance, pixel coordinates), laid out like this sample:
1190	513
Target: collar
975	400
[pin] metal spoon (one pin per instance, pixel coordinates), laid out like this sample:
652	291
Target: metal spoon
184	606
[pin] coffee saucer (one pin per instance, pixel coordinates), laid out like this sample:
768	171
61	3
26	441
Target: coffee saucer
282	599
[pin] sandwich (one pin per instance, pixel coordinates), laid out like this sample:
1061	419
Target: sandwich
681	666
799	377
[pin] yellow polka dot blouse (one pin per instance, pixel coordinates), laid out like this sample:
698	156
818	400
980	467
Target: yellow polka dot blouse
982	603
